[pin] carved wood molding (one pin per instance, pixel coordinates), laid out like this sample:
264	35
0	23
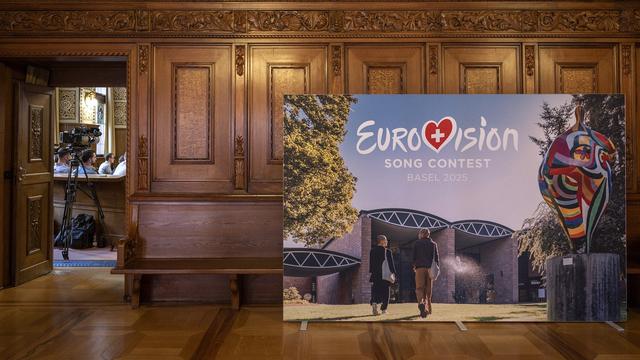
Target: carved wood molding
143	161
317	22
239	163
433	59
530	59
336	59
143	58
240	53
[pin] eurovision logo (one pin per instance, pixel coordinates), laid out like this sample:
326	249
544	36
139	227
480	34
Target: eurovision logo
435	136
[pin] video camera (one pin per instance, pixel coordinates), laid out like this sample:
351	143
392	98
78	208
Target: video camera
80	137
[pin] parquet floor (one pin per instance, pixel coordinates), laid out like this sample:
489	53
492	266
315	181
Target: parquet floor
79	314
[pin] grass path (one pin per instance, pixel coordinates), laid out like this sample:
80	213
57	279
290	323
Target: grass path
409	312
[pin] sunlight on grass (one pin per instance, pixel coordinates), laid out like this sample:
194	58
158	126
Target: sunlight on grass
409	312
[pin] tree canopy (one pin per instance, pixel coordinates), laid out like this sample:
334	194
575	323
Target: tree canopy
318	187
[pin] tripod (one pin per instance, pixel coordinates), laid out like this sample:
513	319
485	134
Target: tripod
71	188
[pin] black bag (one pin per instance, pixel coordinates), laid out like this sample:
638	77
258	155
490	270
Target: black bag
84	230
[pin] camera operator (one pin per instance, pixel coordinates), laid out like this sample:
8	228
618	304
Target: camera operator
88	158
62	164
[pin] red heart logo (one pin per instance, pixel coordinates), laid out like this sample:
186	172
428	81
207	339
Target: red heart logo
437	135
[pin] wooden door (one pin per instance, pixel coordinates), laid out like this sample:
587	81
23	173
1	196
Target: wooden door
33	202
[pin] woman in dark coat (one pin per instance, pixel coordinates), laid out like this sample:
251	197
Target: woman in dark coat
379	286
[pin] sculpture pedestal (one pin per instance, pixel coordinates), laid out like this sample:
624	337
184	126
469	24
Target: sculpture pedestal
583	287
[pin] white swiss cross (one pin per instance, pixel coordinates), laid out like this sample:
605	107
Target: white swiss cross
437	135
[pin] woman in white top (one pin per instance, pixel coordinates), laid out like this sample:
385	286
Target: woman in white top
121	169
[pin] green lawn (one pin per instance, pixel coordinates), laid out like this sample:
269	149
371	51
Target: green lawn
409	312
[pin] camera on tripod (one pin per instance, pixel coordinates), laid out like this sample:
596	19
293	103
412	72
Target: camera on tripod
80	137
75	141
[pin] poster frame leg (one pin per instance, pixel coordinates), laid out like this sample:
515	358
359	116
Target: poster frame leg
461	326
303	325
615	326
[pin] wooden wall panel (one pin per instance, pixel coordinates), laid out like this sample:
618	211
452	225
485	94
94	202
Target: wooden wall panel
570	69
486	69
210	230
192	119
262	289
440	47
385	69
274	72
120	142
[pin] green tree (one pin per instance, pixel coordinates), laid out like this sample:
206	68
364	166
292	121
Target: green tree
318	187
541	235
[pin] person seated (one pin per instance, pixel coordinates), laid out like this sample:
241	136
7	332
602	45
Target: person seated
62	162
88	158
121	169
106	166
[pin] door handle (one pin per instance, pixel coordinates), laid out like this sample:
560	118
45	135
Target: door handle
21	172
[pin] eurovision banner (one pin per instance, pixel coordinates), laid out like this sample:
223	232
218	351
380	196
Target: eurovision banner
454	207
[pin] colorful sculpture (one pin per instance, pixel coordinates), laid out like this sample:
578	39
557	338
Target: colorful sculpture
575	180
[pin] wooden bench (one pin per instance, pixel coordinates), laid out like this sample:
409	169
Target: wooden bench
234	267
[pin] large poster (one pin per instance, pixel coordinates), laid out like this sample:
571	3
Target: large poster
454	207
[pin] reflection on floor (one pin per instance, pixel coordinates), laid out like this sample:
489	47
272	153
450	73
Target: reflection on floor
94	253
79	314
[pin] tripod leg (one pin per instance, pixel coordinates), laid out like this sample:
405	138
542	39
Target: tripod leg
66	230
94	196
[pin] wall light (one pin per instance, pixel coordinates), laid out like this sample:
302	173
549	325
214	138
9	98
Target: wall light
90	100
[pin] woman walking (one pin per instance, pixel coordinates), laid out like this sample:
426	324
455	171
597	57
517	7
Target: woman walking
383	274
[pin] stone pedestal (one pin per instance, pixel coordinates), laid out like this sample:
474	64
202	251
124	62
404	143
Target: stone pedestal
583	287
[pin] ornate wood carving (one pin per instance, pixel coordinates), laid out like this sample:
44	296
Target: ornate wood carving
336	59
284	80
36	121
385	79
481	80
68	21
285	20
192	21
119	95
529	59
192	113
240	21
143	158
433	59
239	167
323	23
239	147
34	215
578	79
626	59
591	21
68	104
240	51
143	58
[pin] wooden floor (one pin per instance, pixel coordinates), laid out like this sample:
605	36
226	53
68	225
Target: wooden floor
78	314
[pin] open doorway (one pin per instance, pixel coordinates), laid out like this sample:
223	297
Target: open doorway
43	98
95	218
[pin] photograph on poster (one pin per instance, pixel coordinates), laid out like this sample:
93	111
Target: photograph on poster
454	207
